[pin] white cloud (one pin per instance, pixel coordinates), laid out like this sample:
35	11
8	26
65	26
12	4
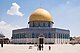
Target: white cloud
14	10
6	28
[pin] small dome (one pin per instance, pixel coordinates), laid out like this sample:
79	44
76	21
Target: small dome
40	15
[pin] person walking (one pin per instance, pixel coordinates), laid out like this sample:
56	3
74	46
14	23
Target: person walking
1	43
42	47
49	47
39	47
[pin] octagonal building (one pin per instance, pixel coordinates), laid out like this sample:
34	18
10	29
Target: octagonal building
40	30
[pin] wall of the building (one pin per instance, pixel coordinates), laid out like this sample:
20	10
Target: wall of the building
57	36
36	41
62	41
40	24
32	40
62	38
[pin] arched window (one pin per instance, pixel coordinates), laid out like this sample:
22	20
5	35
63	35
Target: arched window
61	36
54	35
49	35
33	35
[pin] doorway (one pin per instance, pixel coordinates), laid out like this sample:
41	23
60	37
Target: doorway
41	41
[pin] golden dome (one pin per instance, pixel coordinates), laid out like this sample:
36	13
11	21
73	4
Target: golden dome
40	15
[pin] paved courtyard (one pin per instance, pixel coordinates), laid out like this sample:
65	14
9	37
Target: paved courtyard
56	48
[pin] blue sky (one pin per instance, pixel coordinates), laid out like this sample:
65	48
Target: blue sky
65	13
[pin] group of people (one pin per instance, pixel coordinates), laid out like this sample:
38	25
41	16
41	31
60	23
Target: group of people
40	47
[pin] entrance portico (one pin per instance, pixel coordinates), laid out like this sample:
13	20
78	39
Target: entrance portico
41	40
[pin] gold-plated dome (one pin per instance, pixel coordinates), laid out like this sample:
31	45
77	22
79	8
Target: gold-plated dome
40	15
